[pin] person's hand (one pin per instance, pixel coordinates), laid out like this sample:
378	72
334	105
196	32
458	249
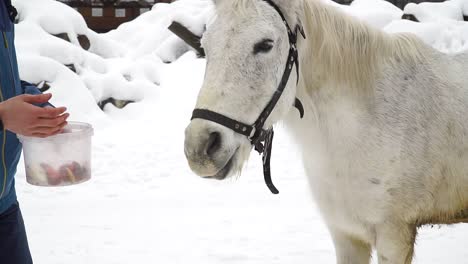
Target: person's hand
20	116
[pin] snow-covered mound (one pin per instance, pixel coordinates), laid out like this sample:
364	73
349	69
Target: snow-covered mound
377	13
84	68
148	34
42	57
449	37
440	25
433	12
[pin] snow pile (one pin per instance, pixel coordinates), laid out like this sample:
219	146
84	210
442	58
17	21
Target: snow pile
377	13
42	56
84	68
148	34
441	24
448	37
434	12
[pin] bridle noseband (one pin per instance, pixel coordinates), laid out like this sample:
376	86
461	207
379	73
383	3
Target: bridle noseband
259	137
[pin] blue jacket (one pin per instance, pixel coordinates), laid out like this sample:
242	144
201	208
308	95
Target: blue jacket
10	86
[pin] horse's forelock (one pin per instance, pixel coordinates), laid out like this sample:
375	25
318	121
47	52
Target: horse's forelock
236	6
291	9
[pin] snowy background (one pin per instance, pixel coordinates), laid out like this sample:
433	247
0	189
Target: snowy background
143	204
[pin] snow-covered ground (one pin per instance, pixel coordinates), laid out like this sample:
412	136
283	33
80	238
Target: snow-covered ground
143	204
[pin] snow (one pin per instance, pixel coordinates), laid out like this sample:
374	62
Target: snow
424	12
140	37
143	204
449	37
377	13
123	64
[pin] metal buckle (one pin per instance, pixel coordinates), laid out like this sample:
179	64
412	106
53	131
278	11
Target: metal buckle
252	134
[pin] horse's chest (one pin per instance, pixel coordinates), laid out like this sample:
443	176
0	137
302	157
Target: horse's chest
341	185
347	201
340	169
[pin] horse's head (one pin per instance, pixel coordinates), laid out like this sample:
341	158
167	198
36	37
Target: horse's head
247	49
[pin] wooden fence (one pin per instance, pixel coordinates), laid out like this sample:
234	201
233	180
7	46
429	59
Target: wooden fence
104	15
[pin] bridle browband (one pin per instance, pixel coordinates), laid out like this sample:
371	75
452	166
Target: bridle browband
259	137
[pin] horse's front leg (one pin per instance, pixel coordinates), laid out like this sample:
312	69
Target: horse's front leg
350	250
395	243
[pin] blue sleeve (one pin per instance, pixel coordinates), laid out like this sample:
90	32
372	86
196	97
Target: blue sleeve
32	89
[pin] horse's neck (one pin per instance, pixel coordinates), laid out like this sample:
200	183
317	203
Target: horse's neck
341	62
327	115
337	71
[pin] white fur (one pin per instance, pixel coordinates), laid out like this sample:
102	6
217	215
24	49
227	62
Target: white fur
385	136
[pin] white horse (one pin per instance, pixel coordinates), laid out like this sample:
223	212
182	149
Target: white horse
385	135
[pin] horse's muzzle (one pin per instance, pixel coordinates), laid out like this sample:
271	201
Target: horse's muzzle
206	149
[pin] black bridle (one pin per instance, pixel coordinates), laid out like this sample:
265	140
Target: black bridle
259	137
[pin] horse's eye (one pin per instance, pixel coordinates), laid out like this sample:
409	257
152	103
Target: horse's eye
263	46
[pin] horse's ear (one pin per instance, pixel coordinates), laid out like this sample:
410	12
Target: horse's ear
300	28
293	9
298	16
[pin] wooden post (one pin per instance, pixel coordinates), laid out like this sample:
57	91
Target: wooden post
188	36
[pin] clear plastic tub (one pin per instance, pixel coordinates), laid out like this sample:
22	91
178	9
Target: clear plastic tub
60	160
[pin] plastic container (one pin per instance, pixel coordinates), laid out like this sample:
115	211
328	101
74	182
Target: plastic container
60	160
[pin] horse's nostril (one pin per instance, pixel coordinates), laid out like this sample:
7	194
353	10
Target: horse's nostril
213	144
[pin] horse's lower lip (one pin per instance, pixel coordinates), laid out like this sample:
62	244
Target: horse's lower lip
223	173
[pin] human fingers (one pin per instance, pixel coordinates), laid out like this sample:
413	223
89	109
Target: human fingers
48	131
36	98
50	112
52	122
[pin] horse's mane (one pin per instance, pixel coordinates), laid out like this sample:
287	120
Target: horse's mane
350	50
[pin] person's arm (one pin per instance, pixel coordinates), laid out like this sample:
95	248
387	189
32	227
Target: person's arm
20	115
